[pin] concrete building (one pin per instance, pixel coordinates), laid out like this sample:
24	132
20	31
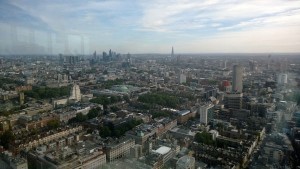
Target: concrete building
182	133
75	93
182	78
185	162
206	113
119	149
237	79
210	92
184	115
65	116
127	164
282	79
136	151
80	155
252	66
164	124
166	153
75	96
144	132
275	115
48	138
8	161
37	108
35	121
233	100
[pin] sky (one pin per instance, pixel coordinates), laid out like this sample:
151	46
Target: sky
149	26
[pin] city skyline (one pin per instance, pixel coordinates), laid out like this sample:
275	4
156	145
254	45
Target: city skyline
52	27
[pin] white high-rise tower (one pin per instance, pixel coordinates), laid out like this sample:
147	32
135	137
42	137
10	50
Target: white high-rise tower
75	93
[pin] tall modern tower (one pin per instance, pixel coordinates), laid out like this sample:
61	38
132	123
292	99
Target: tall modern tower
172	53
75	93
237	79
225	63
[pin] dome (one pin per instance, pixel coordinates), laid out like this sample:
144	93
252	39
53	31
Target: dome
124	88
121	88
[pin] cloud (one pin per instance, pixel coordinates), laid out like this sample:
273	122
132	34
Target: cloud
265	39
62	16
289	18
170	15
144	24
173	15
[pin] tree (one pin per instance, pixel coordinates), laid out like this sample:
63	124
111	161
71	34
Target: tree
113	99
115	109
79	118
53	124
108	84
222	143
46	92
109	130
204	137
162	99
104	131
126	98
93	113
220	126
104	100
160	114
6	138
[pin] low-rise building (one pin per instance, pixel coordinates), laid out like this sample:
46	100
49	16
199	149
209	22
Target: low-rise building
181	133
47	138
119	149
184	115
32	110
80	155
8	161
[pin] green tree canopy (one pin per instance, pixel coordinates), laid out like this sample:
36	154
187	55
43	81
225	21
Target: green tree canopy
6	138
204	137
106	100
53	124
79	118
46	92
109	130
93	113
162	99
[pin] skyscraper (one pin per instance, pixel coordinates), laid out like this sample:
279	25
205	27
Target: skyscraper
75	93
237	79
252	65
95	58
172	53
95	54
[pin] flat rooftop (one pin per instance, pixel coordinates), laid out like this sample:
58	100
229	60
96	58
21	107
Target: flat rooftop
163	150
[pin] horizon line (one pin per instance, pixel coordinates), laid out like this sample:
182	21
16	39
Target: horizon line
150	53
